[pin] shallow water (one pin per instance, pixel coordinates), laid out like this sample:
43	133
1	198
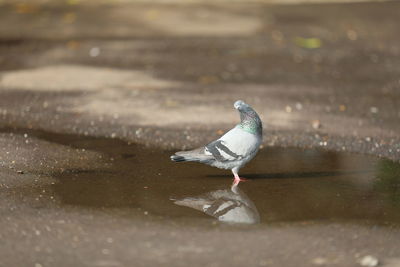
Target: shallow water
284	185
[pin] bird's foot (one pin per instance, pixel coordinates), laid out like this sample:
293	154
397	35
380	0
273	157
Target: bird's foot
237	180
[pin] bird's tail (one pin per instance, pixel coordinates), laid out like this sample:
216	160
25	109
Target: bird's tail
177	158
183	156
196	155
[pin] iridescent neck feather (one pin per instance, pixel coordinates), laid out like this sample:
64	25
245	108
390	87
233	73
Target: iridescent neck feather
250	121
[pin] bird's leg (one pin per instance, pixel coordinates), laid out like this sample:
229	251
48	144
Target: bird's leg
237	178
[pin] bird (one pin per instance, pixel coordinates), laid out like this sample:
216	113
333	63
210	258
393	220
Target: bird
233	149
227	205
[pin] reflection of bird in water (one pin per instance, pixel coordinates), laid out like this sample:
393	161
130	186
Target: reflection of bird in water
228	205
235	148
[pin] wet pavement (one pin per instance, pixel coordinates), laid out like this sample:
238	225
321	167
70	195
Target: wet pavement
110	202
95	97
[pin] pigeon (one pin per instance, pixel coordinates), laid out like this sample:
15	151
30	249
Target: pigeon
228	205
232	150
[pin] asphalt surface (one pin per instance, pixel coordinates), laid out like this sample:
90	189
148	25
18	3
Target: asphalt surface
166	75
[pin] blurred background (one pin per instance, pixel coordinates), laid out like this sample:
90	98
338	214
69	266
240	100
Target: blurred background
96	94
320	73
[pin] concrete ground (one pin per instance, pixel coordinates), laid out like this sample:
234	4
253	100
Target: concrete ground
166	75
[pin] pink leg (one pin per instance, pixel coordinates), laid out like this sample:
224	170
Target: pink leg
237	178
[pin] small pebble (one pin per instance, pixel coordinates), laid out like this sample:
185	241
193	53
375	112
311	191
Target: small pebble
374	110
369	261
316	124
319	261
352	35
94	51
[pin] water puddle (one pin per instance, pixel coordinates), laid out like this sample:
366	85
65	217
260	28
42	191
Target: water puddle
284	185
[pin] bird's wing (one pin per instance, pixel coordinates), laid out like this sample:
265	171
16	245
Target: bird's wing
234	145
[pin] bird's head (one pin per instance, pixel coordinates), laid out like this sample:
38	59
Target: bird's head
240	105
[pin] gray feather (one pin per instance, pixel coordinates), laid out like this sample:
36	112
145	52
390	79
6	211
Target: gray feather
215	147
